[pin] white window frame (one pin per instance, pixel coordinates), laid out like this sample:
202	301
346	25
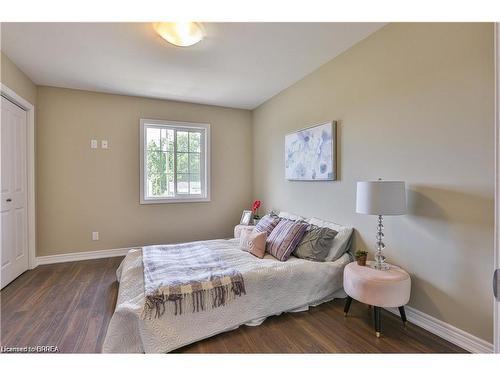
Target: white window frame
204	163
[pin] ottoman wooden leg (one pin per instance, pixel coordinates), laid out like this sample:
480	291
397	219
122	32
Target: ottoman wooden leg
376	315
403	315
347	305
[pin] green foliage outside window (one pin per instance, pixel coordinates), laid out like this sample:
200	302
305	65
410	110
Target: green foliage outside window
160	162
157	161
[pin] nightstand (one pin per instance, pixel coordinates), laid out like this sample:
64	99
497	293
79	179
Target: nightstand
378	288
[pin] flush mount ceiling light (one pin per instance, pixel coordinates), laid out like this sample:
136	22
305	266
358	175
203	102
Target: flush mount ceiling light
182	34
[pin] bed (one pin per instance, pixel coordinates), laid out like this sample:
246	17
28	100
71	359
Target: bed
272	288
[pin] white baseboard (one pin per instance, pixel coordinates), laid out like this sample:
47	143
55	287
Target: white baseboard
85	255
446	331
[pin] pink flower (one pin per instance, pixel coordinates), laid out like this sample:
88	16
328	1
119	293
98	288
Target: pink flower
256	206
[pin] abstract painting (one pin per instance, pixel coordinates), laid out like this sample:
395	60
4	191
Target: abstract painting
310	153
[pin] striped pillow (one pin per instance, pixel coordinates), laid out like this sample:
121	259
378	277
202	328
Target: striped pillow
267	224
285	237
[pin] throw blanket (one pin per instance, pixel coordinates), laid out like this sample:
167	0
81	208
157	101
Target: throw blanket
186	277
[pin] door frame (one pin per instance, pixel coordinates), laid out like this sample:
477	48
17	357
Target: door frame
496	305
30	166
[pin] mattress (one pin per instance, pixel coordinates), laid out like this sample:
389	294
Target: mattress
272	287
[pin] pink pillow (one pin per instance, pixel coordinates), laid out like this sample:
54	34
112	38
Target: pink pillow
253	242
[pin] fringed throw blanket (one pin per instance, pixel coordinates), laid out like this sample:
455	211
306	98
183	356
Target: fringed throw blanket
186	278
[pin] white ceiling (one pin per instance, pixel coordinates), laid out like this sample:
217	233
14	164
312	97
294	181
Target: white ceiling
238	65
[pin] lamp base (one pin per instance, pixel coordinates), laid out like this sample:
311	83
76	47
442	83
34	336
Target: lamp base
381	266
380	263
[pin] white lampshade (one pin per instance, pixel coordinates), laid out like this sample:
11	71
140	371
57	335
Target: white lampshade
381	198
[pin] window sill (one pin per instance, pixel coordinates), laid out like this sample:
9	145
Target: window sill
175	200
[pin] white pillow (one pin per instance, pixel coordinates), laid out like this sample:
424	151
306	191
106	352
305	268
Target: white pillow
289	216
340	242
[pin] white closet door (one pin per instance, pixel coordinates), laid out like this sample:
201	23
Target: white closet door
13	194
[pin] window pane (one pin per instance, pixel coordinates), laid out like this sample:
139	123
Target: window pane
195	184
149	191
182	141
163	186
194	163
156	173
153	138
194	142
167	139
182	163
182	184
169	165
170	185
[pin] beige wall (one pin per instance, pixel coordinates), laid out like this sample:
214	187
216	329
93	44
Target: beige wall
413	102
82	190
16	80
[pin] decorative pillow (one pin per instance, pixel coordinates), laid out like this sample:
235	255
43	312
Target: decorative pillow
267	224
253	242
341	242
285	238
315	244
240	228
290	216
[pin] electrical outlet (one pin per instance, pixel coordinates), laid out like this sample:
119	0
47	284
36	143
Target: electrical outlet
93	143
95	236
104	143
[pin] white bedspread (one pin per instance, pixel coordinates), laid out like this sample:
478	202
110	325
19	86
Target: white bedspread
272	287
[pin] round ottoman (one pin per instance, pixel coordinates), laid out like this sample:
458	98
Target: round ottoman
378	288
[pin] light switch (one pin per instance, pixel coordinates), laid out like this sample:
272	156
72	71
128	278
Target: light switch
93	143
95	236
104	143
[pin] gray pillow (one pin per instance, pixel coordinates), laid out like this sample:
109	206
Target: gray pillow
315	244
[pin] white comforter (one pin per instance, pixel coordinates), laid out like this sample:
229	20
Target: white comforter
272	287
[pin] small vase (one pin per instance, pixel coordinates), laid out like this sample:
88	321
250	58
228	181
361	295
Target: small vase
361	261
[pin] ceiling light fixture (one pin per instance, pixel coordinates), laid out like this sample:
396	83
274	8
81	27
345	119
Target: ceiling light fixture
182	34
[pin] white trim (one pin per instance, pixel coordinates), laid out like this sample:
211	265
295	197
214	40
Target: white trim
30	158
496	307
204	173
444	330
85	255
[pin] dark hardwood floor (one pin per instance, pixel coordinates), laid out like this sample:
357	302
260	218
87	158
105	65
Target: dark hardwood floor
70	305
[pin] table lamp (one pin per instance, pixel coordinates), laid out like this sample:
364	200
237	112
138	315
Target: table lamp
380	198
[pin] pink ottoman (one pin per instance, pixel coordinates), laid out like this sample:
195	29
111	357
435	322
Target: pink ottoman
378	288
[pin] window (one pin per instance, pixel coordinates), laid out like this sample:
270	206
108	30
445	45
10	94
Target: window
174	162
